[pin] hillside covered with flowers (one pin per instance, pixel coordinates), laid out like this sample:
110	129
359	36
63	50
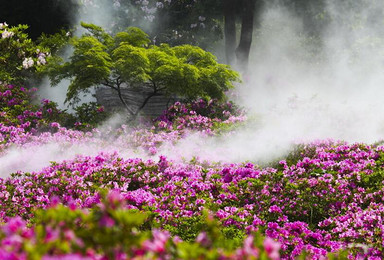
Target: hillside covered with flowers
324	197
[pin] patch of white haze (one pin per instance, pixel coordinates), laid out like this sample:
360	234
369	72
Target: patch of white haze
303	89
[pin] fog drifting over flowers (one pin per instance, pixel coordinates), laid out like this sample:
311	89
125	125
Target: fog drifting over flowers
298	88
301	88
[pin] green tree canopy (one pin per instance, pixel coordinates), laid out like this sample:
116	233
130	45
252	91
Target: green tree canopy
126	59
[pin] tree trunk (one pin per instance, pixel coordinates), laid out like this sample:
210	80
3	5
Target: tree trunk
129	110
147	98
247	19
229	8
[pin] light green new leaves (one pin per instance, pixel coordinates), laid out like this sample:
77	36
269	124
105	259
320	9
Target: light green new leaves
126	58
131	63
98	33
213	79
90	64
133	36
99	59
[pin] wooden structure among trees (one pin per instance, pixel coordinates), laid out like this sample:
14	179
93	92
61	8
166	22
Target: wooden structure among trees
108	98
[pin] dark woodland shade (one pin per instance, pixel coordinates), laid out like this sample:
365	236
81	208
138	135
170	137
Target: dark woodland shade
42	16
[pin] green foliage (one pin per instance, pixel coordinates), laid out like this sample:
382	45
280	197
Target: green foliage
51	113
127	59
96	32
90	113
89	230
130	62
296	153
18	108
133	36
55	42
188	228
372	182
85	117
20	57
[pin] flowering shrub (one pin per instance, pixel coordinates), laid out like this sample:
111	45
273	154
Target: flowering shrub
17	109
325	197
303	206
111	231
199	115
90	114
20	57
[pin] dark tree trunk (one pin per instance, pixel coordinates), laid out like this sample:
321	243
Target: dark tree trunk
129	110
229	8
244	47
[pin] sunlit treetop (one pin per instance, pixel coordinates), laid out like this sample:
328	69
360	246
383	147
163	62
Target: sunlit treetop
128	60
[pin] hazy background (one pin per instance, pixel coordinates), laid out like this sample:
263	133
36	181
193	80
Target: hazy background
302	89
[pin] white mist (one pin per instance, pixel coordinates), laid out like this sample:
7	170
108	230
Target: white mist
299	89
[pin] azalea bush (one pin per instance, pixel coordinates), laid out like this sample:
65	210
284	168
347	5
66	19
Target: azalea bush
112	230
200	114
302	210
19	105
22	122
20	57
322	201
16	107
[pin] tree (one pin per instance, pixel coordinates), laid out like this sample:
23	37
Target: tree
166	21
195	22
246	10
126	59
247	21
20	57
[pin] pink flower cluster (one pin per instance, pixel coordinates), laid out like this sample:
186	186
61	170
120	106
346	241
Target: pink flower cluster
325	197
109	231
15	109
320	204
199	115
